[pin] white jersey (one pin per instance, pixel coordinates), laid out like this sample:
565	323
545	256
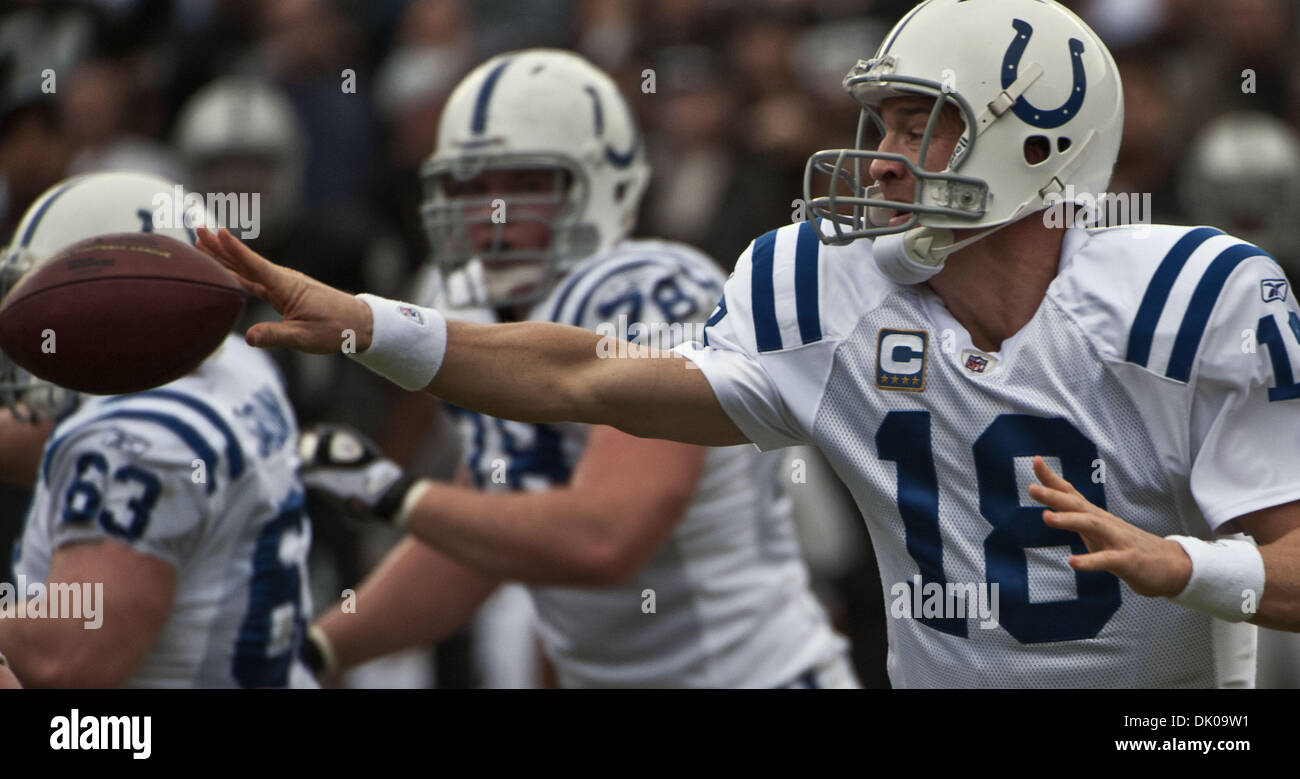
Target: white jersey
1159	375
201	474
726	601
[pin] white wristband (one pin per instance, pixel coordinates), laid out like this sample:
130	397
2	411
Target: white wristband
409	502
1227	578
407	344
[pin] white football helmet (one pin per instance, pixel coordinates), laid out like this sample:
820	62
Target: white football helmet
1243	174
1015	70
536	109
73	210
240	117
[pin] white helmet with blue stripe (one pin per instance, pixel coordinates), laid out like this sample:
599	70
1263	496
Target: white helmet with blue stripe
544	109
73	210
1018	72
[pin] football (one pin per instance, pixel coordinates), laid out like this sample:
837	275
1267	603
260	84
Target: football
119	313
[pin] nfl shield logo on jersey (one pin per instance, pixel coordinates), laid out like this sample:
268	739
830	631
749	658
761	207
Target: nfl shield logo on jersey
900	359
977	362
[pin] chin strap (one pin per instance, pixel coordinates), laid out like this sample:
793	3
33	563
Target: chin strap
915	256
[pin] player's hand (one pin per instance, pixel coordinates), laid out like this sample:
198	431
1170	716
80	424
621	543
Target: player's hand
1151	565
317	317
345	467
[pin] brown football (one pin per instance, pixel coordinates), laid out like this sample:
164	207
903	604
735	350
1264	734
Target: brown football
119	313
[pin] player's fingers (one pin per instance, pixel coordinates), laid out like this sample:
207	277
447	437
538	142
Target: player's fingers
1091	526
1058	499
211	246
1112	560
252	287
286	335
248	263
1049	478
208	244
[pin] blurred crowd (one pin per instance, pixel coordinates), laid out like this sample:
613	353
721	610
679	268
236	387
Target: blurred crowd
328	107
733	94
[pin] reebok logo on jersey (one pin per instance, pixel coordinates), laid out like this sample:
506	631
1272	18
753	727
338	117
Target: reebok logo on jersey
900	359
1272	289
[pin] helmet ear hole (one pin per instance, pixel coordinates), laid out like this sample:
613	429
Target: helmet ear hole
1037	149
1062	145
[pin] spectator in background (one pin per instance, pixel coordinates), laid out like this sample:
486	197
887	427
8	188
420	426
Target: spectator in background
1242	174
95	112
1150	148
690	118
606	32
33	155
432	50
304	48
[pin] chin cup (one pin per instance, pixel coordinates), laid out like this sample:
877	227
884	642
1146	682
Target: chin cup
912	257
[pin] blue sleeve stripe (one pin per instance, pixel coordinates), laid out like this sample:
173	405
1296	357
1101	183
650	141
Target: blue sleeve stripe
234	452
581	310
1202	304
715	318
805	283
40	212
479	121
569	284
1157	294
767	333
182	431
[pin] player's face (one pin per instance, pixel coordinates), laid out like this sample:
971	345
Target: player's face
905	119
512	209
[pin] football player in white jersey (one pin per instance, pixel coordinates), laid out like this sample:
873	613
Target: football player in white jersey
649	563
946	342
178	509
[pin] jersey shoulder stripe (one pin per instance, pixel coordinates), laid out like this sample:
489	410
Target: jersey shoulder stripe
785	287
719	311
181	429
234	451
580	312
1157	293
1181	297
574	296
1198	311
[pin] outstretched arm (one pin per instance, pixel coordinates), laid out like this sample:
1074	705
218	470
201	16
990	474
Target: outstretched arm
527	371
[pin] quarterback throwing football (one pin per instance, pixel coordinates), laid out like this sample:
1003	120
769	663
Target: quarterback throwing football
1068	413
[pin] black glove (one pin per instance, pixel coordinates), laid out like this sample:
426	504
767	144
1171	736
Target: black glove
341	463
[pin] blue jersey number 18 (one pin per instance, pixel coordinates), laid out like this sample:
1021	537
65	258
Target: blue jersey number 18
904	438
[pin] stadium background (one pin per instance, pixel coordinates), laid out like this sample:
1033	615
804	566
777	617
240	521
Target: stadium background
733	96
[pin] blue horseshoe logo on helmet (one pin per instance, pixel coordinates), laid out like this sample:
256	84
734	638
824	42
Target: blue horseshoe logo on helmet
616	158
1010	69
